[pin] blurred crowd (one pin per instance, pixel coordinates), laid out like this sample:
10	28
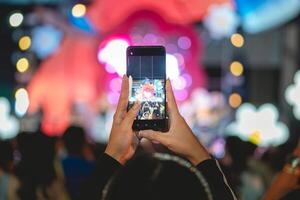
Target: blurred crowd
35	166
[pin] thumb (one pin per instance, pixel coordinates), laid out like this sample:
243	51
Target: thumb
154	136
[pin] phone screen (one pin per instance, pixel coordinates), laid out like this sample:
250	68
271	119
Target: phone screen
147	85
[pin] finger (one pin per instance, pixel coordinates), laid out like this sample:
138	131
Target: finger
135	142
154	136
171	102
131	114
123	99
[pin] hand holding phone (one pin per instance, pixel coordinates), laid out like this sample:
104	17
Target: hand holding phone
180	138
123	141
146	69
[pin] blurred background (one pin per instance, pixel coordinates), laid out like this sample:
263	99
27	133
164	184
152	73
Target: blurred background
234	67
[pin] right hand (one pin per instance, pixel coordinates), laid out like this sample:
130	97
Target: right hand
180	138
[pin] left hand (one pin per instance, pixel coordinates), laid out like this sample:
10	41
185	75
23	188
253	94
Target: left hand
123	140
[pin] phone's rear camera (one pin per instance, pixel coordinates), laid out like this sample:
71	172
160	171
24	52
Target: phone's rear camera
131	53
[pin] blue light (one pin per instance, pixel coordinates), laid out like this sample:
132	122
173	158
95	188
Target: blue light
82	23
261	15
45	40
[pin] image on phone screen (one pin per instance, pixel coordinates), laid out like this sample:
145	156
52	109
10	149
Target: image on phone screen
147	85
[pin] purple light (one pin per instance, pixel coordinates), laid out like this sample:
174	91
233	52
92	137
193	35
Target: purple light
137	38
149	39
160	41
171	48
188	79
184	42
113	97
115	84
181	95
179	83
180	60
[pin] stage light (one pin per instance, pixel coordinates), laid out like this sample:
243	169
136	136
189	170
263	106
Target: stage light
235	100
113	54
78	10
237	40
221	21
236	68
181	95
261	15
113	97
172	66
16	19
292	95
22	102
184	42
180	59
22	65
24	43
260	126
179	83
188	79
45	40
115	84
9	126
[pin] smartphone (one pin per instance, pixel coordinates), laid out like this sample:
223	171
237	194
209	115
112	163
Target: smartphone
146	70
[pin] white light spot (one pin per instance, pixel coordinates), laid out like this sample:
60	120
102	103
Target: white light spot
172	66
259	125
16	19
114	56
22	102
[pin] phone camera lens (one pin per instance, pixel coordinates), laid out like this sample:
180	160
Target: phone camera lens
131	53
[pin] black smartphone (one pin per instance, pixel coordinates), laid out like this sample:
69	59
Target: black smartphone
146	70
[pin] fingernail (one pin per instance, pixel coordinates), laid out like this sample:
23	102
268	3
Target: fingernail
141	133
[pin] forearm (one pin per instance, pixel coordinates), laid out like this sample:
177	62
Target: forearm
276	190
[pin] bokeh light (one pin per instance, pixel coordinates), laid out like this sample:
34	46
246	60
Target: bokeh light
16	19
237	40
260	126
45	40
115	84
184	42
9	126
172	66
22	102
22	65
221	21
24	43
236	68
292	95
113	54
235	100
78	10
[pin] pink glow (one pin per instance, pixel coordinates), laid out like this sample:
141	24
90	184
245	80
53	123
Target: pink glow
184	42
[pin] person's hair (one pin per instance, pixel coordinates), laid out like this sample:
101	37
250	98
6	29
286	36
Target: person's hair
36	168
160	176
74	139
6	155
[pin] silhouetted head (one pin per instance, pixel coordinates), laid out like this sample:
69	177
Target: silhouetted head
37	156
36	168
6	155
239	151
74	139
160	176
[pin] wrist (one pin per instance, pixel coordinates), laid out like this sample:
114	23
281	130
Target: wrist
199	156
114	154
